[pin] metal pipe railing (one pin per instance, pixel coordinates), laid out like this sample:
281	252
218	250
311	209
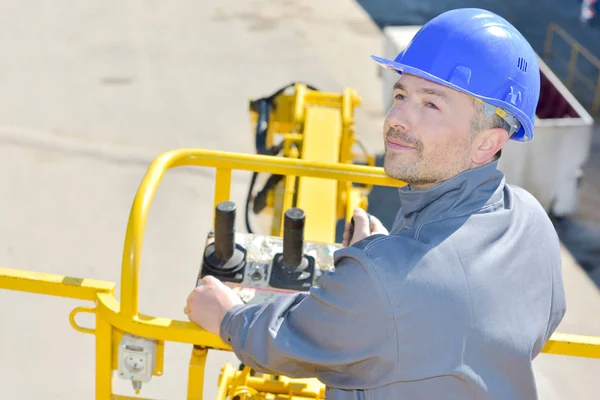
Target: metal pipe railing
576	50
224	164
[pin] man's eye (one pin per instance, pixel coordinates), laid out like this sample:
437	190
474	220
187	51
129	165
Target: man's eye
431	105
399	97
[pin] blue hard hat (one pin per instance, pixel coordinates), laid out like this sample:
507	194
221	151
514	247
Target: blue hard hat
481	54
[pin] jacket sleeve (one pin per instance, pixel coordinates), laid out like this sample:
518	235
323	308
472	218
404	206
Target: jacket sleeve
341	332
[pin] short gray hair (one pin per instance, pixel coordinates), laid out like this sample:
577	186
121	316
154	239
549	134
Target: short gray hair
482	121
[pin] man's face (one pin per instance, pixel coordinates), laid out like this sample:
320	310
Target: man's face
427	132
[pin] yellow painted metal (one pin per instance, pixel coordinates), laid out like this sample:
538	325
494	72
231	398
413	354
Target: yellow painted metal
258	163
240	389
223	187
103	358
301	92
227	372
196	373
326	136
74	324
572	71
318	197
165	329
120	397
53	284
289	189
286	196
279	205
234	383
355	200
349	100
573	345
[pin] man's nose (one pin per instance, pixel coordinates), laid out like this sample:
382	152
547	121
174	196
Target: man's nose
398	117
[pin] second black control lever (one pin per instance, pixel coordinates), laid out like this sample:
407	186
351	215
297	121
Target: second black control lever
292	269
293	239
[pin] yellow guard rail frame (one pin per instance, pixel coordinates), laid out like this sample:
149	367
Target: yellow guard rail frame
114	318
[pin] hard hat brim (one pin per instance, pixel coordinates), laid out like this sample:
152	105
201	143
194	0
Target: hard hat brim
523	135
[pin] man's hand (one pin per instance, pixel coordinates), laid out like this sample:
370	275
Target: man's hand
209	302
362	228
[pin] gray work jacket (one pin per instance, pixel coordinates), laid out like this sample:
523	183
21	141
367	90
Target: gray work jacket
453	304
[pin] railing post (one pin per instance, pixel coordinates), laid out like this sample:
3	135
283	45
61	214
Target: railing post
222	186
103	359
549	37
572	66
196	373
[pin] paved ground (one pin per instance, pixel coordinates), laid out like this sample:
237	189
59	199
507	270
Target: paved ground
92	92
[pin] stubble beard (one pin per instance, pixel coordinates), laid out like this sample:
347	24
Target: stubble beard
395	165
421	171
413	173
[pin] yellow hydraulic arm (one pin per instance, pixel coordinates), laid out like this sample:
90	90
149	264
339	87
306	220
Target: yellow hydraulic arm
315	126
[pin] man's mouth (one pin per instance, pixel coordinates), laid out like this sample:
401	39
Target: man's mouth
398	145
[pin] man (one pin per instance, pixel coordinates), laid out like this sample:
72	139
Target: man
466	288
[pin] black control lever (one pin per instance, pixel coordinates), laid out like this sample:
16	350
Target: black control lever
292	269
225	230
224	258
293	239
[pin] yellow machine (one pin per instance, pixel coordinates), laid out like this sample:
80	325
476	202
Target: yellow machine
312	126
314	134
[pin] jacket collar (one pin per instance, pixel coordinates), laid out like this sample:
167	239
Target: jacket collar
464	193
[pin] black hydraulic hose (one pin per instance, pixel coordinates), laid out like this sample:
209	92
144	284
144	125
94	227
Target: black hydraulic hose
271	182
248	197
263	107
262	125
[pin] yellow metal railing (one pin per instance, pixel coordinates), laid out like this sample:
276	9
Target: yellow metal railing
576	50
114	319
224	163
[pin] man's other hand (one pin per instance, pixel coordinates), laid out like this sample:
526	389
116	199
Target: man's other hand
362	228
209	302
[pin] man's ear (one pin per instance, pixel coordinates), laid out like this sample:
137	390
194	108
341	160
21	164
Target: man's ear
487	144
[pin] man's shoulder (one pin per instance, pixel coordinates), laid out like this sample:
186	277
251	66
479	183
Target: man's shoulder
520	196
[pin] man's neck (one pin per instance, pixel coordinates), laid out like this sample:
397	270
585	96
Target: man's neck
471	189
416	186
